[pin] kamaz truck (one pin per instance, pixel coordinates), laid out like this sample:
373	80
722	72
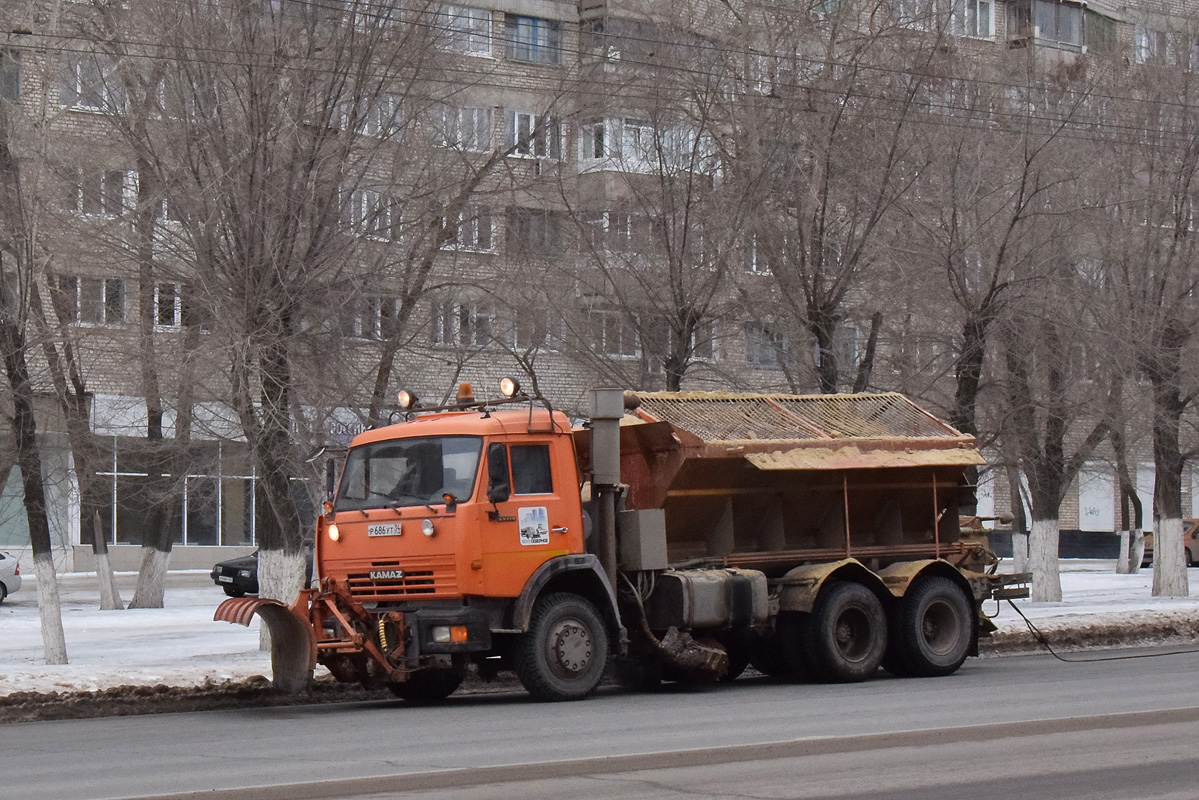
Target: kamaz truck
669	536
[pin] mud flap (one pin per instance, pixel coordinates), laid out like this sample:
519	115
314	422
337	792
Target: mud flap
293	644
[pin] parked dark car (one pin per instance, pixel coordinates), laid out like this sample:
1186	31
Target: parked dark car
239	576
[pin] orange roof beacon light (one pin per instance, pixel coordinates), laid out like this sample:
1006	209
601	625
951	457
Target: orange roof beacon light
509	387
466	394
408	400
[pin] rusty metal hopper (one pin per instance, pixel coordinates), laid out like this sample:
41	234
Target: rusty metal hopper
869	430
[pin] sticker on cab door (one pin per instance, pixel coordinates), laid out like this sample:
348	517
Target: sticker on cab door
534	523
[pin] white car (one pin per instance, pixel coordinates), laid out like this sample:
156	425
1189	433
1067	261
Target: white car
10	575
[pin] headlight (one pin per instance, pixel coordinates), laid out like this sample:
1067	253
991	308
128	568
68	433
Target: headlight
334	533
243	573
427	528
509	387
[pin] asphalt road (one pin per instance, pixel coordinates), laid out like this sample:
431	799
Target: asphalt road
999	728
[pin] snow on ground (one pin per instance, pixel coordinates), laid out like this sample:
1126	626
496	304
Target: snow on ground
181	645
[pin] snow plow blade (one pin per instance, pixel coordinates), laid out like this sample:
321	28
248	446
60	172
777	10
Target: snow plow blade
293	645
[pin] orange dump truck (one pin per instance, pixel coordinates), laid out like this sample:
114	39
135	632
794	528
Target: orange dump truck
673	536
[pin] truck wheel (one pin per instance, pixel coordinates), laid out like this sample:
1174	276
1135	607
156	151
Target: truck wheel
427	686
847	634
564	654
932	629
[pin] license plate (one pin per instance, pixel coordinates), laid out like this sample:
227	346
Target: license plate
225	578
388	529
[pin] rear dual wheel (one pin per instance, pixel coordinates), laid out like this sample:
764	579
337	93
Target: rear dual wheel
931	631
842	640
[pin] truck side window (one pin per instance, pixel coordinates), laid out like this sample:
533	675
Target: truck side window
531	469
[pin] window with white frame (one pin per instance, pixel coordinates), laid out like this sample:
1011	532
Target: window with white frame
380	116
472	229
755	259
627	231
168	304
703	341
600	140
765	345
90	83
1047	21
102	192
195	309
530	135
464	30
972	18
638	141
1150	45
914	13
845	346
467	127
464	324
532	39
368	317
613	333
91	301
372	213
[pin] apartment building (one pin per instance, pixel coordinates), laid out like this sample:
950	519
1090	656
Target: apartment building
542	188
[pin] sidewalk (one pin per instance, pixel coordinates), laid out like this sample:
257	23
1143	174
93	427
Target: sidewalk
180	645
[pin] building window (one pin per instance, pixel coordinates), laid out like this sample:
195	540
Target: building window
613	334
533	136
464	324
103	193
1046	21
92	301
468	128
532	39
1150	45
971	18
380	116
195	311
599	140
464	30
168	308
765	345
1100	33
371	317
472	229
10	76
530	231
638	140
372	214
90	83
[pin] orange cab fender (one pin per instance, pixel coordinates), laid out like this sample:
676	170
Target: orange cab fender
579	574
799	587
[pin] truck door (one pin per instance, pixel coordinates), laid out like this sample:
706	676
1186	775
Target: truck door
531	520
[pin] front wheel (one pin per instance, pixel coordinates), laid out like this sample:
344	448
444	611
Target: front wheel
564	653
427	686
230	591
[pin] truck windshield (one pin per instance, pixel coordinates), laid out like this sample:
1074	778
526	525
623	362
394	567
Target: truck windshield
409	472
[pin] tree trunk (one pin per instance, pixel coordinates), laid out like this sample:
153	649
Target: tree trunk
1043	561
110	595
24	432
1169	565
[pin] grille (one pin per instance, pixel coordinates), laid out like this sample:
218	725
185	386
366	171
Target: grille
726	417
867	416
424	578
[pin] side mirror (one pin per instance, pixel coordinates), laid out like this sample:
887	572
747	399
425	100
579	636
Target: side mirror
330	478
499	487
